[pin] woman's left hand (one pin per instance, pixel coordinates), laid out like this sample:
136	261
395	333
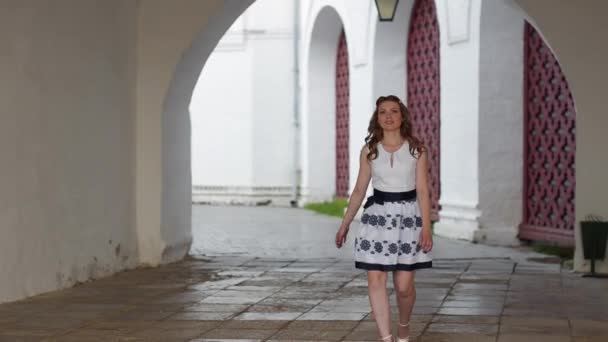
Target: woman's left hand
426	239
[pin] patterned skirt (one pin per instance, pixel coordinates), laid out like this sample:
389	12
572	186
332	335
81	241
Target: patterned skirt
389	234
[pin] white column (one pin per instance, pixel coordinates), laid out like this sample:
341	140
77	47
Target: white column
459	53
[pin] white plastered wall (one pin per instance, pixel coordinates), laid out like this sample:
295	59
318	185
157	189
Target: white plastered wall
66	143
501	117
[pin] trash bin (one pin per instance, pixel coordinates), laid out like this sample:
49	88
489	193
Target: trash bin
594	233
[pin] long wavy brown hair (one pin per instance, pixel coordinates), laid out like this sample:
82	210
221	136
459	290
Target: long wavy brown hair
375	133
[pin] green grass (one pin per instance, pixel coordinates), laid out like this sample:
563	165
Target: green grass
564	253
333	208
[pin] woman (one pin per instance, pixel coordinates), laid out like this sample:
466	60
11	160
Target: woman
395	232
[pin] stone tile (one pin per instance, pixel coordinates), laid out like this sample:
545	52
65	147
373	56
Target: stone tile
590	327
486	329
229	300
331	316
532	338
183	297
367	335
313	335
92	335
322	325
273	316
289	301
425	310
201	316
51	323
280	299
222	340
487	304
208	307
428	303
534	325
218	284
342	308
158	335
174	331
470	311
239	273
222	333
536	312
279	308
271	289
251	324
30	333
455	337
268	281
20	338
481	293
140	315
479	286
120	326
461	319
259	295
586	339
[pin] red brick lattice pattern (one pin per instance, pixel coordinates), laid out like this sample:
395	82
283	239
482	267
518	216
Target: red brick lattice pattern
423	87
549	146
342	117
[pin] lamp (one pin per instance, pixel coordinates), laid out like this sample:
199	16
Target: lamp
386	9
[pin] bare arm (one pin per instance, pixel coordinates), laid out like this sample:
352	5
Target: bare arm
358	194
424	201
356	198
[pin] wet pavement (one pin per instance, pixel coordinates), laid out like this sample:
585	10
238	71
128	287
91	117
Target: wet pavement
473	293
266	299
297	233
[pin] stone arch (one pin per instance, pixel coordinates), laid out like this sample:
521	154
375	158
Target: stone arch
319	181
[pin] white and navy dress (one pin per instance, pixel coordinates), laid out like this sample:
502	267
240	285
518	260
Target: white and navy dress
389	234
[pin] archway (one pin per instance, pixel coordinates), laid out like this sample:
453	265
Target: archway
549	148
321	96
564	46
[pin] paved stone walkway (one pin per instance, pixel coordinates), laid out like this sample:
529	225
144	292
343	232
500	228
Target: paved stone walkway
302	234
232	298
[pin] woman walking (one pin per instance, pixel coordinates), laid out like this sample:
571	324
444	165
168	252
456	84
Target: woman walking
395	232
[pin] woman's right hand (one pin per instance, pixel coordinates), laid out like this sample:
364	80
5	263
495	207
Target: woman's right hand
341	235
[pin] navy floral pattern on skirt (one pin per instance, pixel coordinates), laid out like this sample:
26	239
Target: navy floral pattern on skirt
388	238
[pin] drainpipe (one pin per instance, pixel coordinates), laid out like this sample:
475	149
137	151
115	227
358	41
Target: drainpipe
296	105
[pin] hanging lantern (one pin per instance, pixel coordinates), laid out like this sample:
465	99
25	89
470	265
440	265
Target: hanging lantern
386	9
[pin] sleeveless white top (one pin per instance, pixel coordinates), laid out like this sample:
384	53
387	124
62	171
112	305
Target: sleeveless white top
399	177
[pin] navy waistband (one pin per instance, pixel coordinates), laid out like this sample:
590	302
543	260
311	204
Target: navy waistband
379	197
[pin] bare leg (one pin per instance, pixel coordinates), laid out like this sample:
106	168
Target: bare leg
405	291
378	297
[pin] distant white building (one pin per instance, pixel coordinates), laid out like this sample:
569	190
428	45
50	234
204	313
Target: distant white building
282	107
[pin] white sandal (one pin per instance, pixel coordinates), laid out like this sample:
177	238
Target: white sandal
389	336
407	339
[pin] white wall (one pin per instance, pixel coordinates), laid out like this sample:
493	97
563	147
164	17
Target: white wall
222	119
390	49
273	93
67	143
242	109
266	80
501	117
